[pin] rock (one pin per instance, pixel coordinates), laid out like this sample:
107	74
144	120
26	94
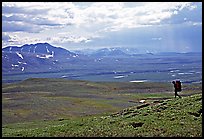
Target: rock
136	124
163	107
60	119
142	101
194	114
200	111
182	123
142	106
158	101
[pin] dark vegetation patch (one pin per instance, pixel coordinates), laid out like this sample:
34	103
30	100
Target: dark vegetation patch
196	114
142	106
136	124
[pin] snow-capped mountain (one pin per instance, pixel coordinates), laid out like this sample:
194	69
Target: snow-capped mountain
116	51
109	52
39	48
35	57
43	57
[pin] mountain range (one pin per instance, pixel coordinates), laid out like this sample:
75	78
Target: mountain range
43	57
35	57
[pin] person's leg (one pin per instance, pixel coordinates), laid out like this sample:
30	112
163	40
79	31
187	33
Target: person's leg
175	93
179	95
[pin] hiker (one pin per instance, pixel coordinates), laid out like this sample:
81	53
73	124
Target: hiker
177	87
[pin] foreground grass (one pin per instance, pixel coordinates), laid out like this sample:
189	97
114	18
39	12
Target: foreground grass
165	118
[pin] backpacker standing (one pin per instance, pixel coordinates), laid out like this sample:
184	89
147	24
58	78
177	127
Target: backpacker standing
177	88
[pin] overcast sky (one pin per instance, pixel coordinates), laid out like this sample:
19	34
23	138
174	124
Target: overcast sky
150	26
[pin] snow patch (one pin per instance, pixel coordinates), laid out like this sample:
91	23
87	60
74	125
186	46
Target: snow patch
14	65
47	50
21	62
98	60
75	56
29	49
45	56
20	55
22	68
40	56
34	49
64	76
174	71
5	56
142	101
138	81
184	73
118	77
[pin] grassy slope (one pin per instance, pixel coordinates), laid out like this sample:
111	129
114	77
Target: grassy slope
173	117
39	100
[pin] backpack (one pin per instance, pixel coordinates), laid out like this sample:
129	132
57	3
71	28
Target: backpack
178	85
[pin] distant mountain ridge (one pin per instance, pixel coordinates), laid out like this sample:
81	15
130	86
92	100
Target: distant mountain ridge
109	52
38	48
35	57
43	57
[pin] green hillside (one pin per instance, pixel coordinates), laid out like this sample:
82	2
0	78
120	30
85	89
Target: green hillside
57	107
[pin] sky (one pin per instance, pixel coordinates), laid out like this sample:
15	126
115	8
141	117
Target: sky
149	26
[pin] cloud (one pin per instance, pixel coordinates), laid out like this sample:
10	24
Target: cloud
191	23
30	19
100	23
157	39
5	36
18	8
19	26
115	15
34	15
18	40
70	39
